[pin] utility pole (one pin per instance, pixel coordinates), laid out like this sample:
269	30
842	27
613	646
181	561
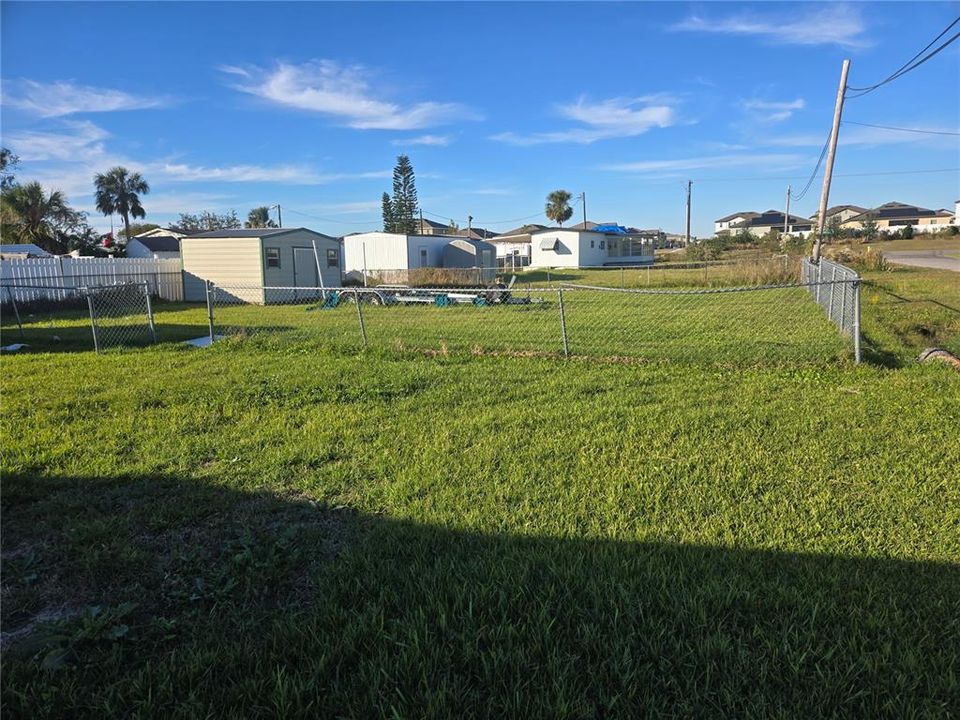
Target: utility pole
279	216
786	216
469	225
831	155
421	222
583	200
689	186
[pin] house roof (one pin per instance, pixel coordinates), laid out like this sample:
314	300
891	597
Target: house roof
255	233
24	249
159	243
522	230
747	215
898	211
433	224
774	218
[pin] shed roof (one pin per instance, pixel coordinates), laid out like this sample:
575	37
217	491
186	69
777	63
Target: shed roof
24	249
159	243
256	233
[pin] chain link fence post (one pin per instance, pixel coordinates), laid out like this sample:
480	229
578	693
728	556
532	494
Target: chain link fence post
150	325
210	290
856	321
563	324
93	322
16	310
363	329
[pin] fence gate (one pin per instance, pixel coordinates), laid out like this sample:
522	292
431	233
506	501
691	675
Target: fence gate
120	315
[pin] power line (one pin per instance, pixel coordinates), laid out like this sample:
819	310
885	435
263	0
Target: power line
911	64
902	129
326	219
799	196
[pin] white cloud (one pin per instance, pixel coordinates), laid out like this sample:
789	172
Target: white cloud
66	98
837	24
76	141
603	120
709	162
430	140
71	155
772	111
343	92
295	174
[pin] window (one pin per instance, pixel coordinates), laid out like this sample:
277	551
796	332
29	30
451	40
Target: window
601	244
591	243
332	259
273	257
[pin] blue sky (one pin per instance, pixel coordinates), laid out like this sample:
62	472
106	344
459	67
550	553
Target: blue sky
227	106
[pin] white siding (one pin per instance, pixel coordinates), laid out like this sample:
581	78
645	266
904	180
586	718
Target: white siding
566	254
377	251
374	251
434	245
225	261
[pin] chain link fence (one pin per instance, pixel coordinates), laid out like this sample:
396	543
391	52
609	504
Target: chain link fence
727	325
836	289
114	315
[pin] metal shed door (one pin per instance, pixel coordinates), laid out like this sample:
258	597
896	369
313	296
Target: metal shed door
305	272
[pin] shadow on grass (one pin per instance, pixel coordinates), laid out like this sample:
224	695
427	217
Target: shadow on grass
264	605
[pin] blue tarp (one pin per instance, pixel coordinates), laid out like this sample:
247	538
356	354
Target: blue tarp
614	229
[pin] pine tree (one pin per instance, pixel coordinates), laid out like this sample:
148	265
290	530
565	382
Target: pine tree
404	196
389	219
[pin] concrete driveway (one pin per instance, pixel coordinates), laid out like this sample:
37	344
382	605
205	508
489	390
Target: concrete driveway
925	258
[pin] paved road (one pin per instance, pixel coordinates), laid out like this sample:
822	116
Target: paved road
925	258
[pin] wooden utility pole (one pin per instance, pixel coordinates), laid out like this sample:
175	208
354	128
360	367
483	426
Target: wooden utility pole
689	186
279	216
786	215
831	155
583	200
469	225
421	222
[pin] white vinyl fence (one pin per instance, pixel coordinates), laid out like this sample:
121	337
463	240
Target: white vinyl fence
29	278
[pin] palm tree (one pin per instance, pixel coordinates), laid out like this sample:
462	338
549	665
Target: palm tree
259	217
33	216
118	191
558	207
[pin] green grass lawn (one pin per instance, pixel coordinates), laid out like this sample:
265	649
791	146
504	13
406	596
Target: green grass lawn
286	526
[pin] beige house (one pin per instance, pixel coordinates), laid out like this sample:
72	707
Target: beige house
844	212
759	224
893	216
242	263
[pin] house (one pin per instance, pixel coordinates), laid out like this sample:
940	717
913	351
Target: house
893	216
22	251
173	230
566	247
154	246
432	227
843	212
759	224
244	262
513	246
391	256
475	233
726	223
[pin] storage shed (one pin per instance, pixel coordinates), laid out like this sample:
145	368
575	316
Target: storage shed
250	260
154	246
469	253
